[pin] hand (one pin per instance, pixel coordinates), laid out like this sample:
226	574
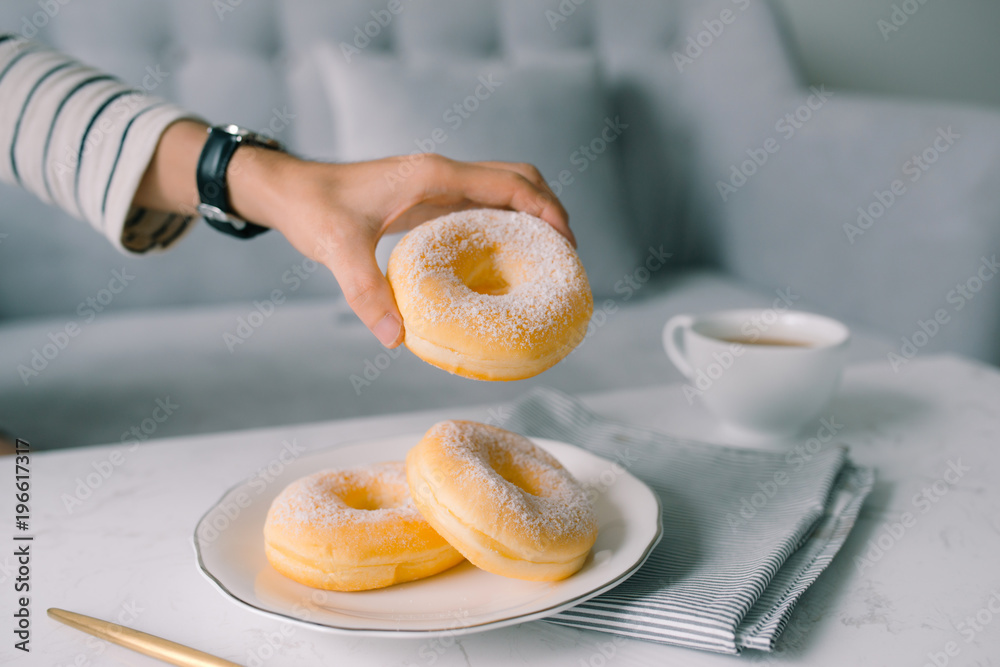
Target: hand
336	213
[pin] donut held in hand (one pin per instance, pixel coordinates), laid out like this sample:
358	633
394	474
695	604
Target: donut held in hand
490	294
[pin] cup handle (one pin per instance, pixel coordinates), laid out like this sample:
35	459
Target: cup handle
674	344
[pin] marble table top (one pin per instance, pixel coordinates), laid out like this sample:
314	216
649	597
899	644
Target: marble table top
917	583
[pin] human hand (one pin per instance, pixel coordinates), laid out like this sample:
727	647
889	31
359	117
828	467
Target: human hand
336	213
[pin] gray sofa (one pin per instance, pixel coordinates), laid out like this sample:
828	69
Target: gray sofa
876	211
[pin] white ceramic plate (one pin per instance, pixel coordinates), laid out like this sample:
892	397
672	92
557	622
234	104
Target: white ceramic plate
229	544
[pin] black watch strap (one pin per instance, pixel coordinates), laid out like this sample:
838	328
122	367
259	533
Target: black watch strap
212	188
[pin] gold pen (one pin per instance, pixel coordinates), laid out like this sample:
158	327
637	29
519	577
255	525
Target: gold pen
151	645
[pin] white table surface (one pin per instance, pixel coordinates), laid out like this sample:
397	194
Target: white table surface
125	552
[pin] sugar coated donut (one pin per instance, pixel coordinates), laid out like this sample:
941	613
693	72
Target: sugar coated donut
501	500
353	530
490	295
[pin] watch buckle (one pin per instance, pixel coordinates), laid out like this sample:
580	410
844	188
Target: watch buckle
217	214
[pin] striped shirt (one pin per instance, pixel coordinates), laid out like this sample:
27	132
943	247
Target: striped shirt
81	140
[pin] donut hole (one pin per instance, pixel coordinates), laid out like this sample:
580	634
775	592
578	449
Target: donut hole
523	477
373	498
484	273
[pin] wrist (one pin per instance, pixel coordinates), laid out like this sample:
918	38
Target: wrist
168	184
255	178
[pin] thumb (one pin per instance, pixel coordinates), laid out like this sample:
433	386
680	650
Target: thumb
368	292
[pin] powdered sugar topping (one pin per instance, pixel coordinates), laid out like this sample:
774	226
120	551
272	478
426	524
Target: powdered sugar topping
506	277
376	493
528	487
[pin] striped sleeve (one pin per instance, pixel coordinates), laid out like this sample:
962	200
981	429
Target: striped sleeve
81	140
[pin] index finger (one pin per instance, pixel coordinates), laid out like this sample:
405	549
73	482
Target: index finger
505	188
445	180
531	173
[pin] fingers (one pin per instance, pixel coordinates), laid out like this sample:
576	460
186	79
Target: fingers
497	188
367	291
425	211
530	173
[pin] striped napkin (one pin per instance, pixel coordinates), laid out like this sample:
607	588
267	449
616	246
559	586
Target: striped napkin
745	532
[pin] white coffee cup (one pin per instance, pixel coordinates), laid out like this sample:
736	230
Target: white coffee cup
765	372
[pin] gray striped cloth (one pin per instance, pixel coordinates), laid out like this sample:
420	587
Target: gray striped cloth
745	532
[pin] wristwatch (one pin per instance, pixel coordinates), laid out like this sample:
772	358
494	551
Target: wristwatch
223	140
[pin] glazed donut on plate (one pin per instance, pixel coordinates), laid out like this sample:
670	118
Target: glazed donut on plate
489	294
352	530
504	502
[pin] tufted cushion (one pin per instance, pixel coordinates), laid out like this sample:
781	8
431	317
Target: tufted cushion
689	104
110	24
311	134
534	25
466	28
354	27
227	86
240	25
542	112
131	40
304	23
635	27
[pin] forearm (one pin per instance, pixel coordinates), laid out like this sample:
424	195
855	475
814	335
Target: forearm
79	139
